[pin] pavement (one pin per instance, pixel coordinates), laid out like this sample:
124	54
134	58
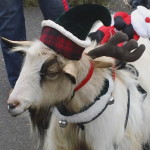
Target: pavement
15	132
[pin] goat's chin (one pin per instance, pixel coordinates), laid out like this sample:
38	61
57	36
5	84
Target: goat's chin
17	111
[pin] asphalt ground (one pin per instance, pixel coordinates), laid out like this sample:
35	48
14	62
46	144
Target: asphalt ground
15	132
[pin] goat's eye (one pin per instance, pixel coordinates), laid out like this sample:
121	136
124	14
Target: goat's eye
50	69
52	74
53	70
49	76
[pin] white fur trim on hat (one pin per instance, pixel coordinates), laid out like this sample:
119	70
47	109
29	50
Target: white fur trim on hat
138	17
82	43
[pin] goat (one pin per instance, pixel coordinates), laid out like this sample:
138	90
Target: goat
43	84
104	114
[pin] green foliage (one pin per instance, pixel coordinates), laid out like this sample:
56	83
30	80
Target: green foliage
77	2
32	3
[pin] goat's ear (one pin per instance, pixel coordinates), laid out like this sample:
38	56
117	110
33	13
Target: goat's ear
11	44
70	71
102	64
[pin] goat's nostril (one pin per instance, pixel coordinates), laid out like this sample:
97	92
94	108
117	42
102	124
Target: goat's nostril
11	106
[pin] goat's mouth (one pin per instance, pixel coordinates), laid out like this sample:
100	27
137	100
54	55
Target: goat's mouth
16	110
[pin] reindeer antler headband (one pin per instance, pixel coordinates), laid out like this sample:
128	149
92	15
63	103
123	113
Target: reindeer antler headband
67	36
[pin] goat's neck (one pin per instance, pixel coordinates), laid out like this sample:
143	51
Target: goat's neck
91	89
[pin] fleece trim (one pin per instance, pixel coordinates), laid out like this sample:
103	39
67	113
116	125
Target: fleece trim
82	43
138	20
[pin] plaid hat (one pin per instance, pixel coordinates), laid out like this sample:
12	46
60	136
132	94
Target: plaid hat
67	36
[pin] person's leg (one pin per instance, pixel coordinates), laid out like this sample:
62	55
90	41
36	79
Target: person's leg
135	3
145	3
52	9
148	4
12	26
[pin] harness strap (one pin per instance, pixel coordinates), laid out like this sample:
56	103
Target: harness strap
128	109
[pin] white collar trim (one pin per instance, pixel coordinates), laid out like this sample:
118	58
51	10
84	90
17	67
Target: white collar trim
92	112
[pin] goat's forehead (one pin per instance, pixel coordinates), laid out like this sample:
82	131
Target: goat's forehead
37	54
38	49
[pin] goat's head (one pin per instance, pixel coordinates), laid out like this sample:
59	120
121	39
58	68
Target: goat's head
48	78
43	73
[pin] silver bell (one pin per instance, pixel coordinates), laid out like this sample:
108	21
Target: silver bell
63	123
111	100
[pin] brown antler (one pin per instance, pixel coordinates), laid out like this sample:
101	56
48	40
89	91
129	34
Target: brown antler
129	52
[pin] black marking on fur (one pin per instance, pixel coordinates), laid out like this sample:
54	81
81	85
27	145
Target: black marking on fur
128	109
82	145
146	146
45	66
115	146
64	110
72	78
132	69
40	119
142	91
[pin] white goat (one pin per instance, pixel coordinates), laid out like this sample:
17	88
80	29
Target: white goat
44	83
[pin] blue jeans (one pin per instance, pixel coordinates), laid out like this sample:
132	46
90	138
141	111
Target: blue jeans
135	3
12	26
52	9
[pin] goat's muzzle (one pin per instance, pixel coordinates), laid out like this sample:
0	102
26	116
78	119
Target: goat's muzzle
15	108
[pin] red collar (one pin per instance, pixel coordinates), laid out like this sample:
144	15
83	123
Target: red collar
87	78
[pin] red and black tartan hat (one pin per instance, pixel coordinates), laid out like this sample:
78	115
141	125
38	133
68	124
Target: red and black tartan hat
68	35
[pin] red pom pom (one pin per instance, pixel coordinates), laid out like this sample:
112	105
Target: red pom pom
147	19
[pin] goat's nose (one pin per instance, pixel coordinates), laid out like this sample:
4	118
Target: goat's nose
13	105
